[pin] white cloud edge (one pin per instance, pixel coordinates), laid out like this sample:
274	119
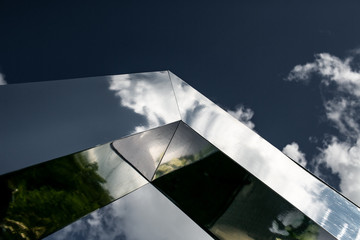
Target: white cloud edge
341	107
2	79
244	115
292	151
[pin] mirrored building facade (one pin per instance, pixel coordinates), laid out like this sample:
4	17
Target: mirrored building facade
146	156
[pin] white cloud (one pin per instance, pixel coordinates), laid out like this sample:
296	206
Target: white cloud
344	158
331	69
244	115
340	84
2	79
292	151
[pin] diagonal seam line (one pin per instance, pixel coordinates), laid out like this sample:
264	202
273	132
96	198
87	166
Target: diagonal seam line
127	161
177	103
167	147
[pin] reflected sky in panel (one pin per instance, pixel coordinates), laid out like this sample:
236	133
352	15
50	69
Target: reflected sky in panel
145	150
42	121
186	147
143	214
267	163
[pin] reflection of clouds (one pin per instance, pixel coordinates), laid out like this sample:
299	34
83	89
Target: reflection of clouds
143	214
147	94
358	235
343	231
264	161
325	218
120	177
340	83
291	219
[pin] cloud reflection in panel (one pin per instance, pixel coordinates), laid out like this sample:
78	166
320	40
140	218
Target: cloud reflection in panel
150	95
143	214
47	120
267	163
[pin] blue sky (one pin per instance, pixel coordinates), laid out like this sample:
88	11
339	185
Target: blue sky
289	69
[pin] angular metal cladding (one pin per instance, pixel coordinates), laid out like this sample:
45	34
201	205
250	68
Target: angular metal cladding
41	199
186	147
142	214
45	120
145	150
224	198
315	199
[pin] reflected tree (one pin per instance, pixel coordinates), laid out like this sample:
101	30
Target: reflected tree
41	199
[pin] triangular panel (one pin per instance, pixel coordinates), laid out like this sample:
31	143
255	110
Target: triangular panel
185	148
145	150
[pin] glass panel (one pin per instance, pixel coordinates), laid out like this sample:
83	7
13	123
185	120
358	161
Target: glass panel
145	150
39	200
185	148
45	120
143	214
314	198
223	197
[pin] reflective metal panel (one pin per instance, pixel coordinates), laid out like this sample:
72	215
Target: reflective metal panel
143	214
322	204
45	120
185	148
223	197
145	150
39	200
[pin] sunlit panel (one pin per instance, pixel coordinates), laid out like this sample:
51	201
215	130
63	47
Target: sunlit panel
186	147
143	214
264	161
145	150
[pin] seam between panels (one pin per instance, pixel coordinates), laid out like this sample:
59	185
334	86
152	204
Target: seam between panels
114	200
127	162
176	100
210	234
167	147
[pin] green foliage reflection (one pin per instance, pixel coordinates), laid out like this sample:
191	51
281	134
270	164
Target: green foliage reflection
183	161
46	197
224	198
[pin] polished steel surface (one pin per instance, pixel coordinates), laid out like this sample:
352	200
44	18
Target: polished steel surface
45	120
145	150
314	198
186	147
143	214
41	199
221	196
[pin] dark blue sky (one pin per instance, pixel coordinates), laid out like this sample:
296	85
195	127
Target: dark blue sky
238	52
